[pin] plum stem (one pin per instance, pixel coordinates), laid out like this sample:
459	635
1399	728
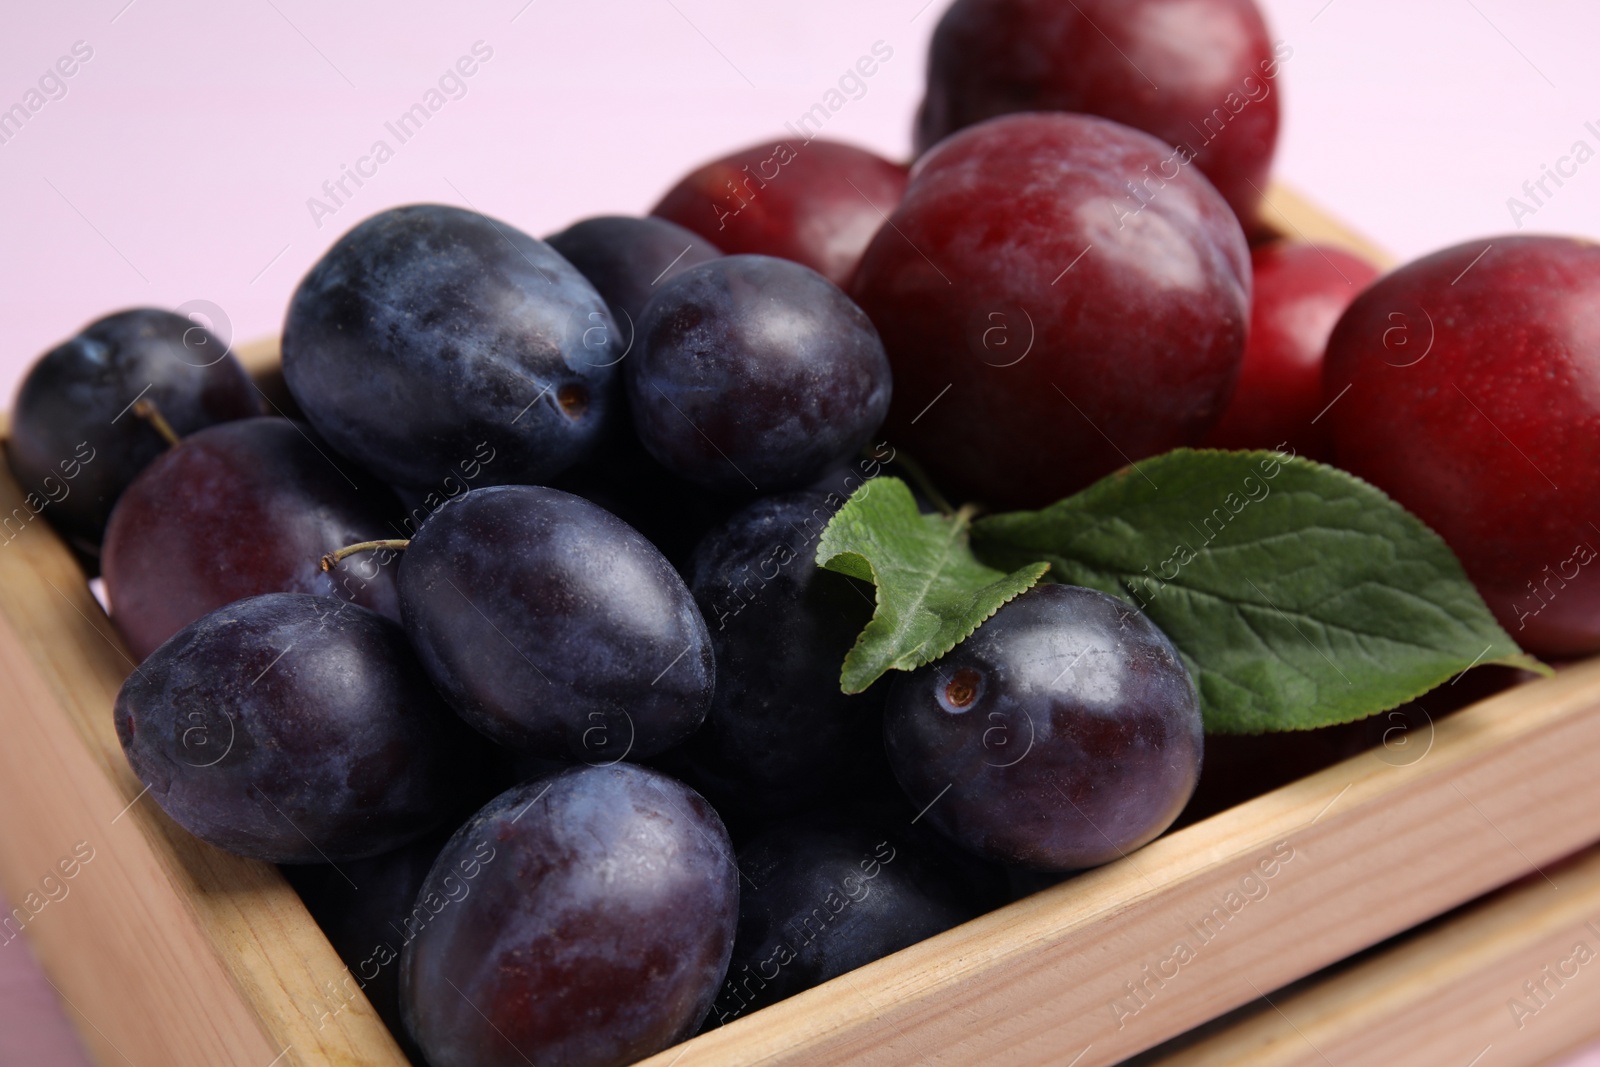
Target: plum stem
332	559
147	410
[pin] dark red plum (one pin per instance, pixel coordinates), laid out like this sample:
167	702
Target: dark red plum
428	332
237	510
830	892
1198	74
1061	735
754	374
1048	320
814	202
1461	385
1300	292
780	736
596	933
295	729
627	259
76	440
555	628
1239	767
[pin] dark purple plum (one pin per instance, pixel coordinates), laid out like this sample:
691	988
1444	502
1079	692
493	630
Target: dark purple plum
595	935
295	729
1239	767
827	893
369	910
76	439
628	259
240	509
674	514
780	737
754	374
555	628
1063	734
428	332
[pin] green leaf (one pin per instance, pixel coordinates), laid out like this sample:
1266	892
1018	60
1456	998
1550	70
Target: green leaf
1299	595
931	592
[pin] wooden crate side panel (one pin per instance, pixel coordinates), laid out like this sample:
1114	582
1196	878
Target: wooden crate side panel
1286	212
1445	995
1364	850
121	931
164	944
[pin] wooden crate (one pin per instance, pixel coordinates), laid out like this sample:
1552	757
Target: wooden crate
1516	975
171	953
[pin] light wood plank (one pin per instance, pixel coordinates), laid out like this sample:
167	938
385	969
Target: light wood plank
260	357
168	951
1287	212
1443	996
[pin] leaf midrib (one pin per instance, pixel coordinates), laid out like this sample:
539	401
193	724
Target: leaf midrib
957	528
1235	603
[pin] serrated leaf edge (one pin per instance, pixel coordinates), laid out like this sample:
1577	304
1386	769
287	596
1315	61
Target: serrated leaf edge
852	672
1517	659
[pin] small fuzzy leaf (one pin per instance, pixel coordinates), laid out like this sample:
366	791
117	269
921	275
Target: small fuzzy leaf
931	591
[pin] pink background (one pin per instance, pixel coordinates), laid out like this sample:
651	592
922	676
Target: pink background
178	164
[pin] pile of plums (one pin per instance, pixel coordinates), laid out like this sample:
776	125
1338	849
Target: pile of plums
516	623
